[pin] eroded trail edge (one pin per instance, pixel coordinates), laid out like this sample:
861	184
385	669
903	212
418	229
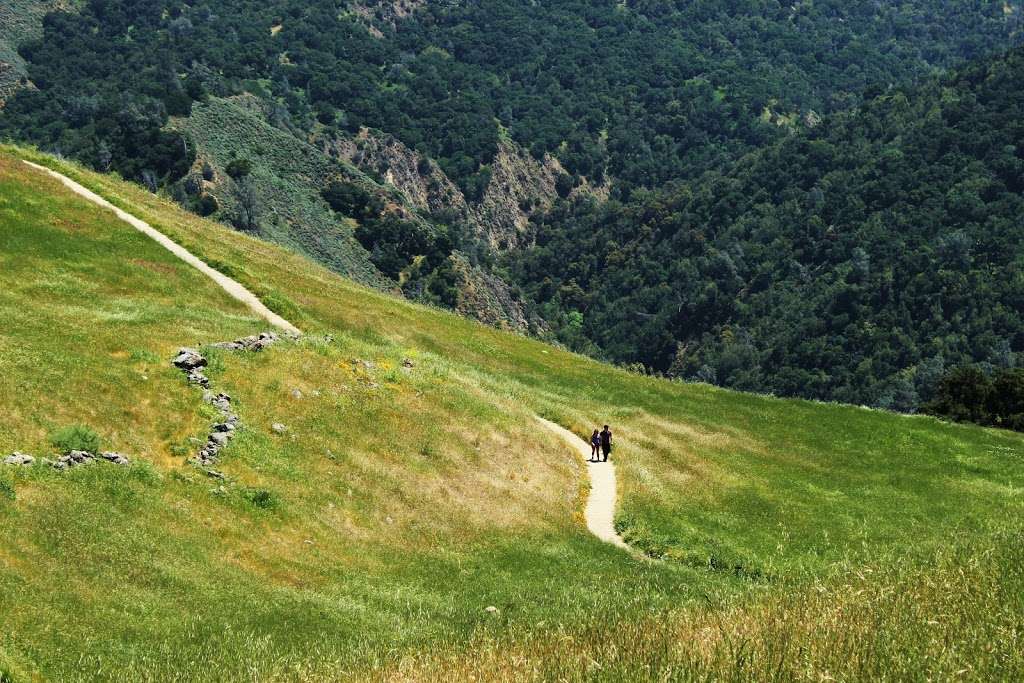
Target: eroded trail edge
232	287
600	510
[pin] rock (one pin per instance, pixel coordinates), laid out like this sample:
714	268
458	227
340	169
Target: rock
115	458
296	394
389	520
491	609
220	438
225	426
315	393
189	359
407	363
197	377
80	456
255	342
215	474
278	428
17	458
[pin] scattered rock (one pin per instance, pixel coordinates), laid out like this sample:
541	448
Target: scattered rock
80	456
255	342
491	609
315	393
72	459
215	474
407	363
189	359
220	438
17	458
278	428
115	458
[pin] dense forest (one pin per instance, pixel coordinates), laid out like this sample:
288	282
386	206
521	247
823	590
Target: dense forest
856	261
772	196
643	92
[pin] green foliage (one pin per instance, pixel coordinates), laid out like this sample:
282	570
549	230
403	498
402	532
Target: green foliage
352	200
238	168
644	92
967	394
855	261
75	438
264	499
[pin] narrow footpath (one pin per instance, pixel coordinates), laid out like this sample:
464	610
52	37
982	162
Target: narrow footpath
600	510
232	287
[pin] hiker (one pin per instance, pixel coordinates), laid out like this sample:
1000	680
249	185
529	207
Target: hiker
606	442
595	446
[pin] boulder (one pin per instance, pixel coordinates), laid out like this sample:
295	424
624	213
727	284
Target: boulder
115	458
220	438
17	458
189	359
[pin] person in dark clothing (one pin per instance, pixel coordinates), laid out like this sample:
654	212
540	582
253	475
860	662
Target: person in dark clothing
606	442
595	446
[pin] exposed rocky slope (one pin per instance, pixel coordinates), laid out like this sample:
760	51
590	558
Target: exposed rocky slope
519	185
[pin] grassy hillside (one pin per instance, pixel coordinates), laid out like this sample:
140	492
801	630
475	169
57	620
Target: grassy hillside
800	539
287	176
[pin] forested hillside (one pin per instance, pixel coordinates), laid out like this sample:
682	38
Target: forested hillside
856	261
419	146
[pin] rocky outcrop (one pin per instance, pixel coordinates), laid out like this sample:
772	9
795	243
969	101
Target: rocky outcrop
519	186
489	299
423	184
191	362
385	12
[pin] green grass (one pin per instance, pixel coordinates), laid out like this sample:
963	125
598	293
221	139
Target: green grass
287	174
366	541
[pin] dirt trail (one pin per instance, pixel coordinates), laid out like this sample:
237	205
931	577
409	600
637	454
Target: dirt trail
600	510
230	286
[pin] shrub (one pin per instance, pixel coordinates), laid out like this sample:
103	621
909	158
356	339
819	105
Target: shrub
76	438
6	489
238	168
263	499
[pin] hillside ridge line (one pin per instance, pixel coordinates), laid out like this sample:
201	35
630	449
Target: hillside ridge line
232	287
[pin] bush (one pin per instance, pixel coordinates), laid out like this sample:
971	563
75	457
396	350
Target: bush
76	438
238	168
263	499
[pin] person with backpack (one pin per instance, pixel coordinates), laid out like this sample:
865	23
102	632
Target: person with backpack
595	446
606	442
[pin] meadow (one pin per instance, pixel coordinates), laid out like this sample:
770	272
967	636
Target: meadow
785	539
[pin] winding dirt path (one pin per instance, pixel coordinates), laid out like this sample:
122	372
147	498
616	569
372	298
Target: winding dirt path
600	510
230	286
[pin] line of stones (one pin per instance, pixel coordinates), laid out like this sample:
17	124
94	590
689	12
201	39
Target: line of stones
191	362
70	459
